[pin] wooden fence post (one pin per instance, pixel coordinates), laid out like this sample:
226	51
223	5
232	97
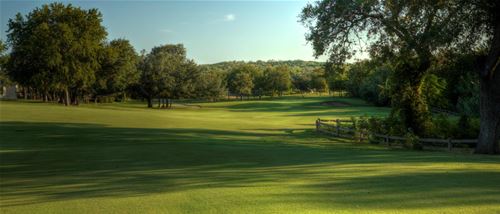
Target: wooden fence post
338	127
450	145
317	125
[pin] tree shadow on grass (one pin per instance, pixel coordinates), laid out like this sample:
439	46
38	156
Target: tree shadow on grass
401	191
43	162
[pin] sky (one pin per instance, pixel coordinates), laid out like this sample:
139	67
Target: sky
211	31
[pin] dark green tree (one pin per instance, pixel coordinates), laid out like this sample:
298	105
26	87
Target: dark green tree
185	75
166	73
211	84
410	30
118	71
301	81
240	80
4	79
260	84
373	85
356	74
155	68
55	48
278	80
483	22
318	81
336	76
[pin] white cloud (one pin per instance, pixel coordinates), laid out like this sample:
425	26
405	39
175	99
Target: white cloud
229	17
166	30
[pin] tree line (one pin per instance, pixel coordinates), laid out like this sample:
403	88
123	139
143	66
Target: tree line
451	83
60	53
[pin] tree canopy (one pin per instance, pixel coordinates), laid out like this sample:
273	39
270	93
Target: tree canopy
412	33
118	68
240	80
167	73
55	48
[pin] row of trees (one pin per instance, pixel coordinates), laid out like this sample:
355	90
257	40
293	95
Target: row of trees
451	83
247	79
60	53
410	35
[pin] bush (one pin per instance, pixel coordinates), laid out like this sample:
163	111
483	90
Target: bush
411	141
360	125
467	128
442	127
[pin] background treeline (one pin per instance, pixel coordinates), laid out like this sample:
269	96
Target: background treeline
450	87
60	53
451	83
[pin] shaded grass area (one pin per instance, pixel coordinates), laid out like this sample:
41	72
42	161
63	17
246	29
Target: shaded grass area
106	160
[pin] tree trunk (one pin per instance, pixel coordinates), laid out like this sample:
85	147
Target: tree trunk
150	102
416	112
489	133
74	98
124	99
66	97
489	108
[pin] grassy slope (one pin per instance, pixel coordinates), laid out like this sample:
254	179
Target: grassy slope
225	157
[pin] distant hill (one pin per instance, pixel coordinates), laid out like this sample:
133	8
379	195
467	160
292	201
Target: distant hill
299	65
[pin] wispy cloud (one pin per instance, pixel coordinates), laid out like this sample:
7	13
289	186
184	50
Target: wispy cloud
229	17
166	30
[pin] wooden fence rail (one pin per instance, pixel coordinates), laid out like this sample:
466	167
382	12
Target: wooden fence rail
349	132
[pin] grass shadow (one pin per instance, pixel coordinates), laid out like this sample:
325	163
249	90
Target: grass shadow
44	162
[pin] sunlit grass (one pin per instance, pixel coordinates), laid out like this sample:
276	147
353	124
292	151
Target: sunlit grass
225	157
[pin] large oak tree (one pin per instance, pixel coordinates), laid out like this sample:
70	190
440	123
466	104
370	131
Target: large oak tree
167	73
55	48
412	32
483	21
118	71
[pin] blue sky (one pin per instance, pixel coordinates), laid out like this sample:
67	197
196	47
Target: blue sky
212	31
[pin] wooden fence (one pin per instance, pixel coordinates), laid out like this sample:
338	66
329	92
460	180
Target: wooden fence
338	128
444	111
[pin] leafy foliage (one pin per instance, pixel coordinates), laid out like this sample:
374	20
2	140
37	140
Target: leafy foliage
277	80
118	68
4	78
56	48
210	84
166	72
240	80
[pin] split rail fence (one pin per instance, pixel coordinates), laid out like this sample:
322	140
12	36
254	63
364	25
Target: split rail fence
339	128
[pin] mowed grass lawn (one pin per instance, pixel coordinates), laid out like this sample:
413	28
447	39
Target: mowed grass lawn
227	157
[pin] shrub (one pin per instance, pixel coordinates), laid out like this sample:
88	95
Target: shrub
442	127
411	141
467	128
360	126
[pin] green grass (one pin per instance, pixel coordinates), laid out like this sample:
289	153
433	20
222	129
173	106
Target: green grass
227	157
